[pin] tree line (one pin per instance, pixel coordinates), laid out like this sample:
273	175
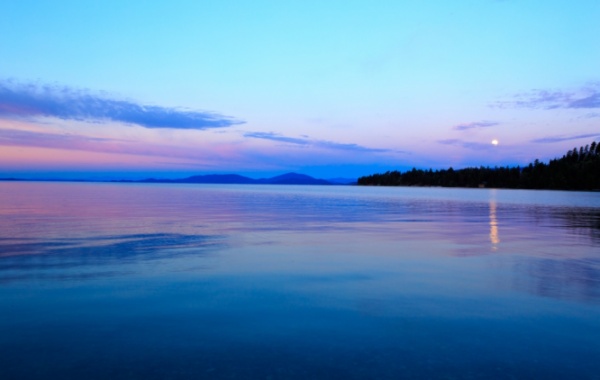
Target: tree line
578	169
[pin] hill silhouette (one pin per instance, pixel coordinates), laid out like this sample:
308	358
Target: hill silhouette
236	179
293	179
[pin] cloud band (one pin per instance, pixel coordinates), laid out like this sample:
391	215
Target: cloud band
311	142
19	100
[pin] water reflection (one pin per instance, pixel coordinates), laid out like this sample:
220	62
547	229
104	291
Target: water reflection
583	221
174	281
574	279
494	238
95	257
47	227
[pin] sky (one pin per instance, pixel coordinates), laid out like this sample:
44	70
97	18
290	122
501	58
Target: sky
129	90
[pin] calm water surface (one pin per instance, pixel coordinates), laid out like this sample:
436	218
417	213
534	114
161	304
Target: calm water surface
159	281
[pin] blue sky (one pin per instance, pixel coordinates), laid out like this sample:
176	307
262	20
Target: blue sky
329	88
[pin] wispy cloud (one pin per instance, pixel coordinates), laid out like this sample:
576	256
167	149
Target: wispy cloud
305	141
553	139
585	98
15	137
19	100
277	137
76	142
475	125
466	144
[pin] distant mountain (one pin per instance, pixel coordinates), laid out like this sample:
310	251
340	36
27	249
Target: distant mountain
232	179
293	179
235	179
343	181
217	178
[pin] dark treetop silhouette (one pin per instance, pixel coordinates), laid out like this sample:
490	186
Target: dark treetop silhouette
578	169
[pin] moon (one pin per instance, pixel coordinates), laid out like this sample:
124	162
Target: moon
495	142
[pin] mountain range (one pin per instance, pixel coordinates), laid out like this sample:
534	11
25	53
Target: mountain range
284	179
233	179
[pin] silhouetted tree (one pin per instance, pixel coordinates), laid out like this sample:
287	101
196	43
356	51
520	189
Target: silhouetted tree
578	169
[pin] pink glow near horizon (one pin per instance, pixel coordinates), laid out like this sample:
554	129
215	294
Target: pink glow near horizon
316	87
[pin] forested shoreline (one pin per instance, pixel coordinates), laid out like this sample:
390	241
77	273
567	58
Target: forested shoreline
578	169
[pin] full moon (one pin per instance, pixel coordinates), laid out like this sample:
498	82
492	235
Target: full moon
494	142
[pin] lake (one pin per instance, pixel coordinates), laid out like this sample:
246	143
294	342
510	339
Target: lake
168	281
